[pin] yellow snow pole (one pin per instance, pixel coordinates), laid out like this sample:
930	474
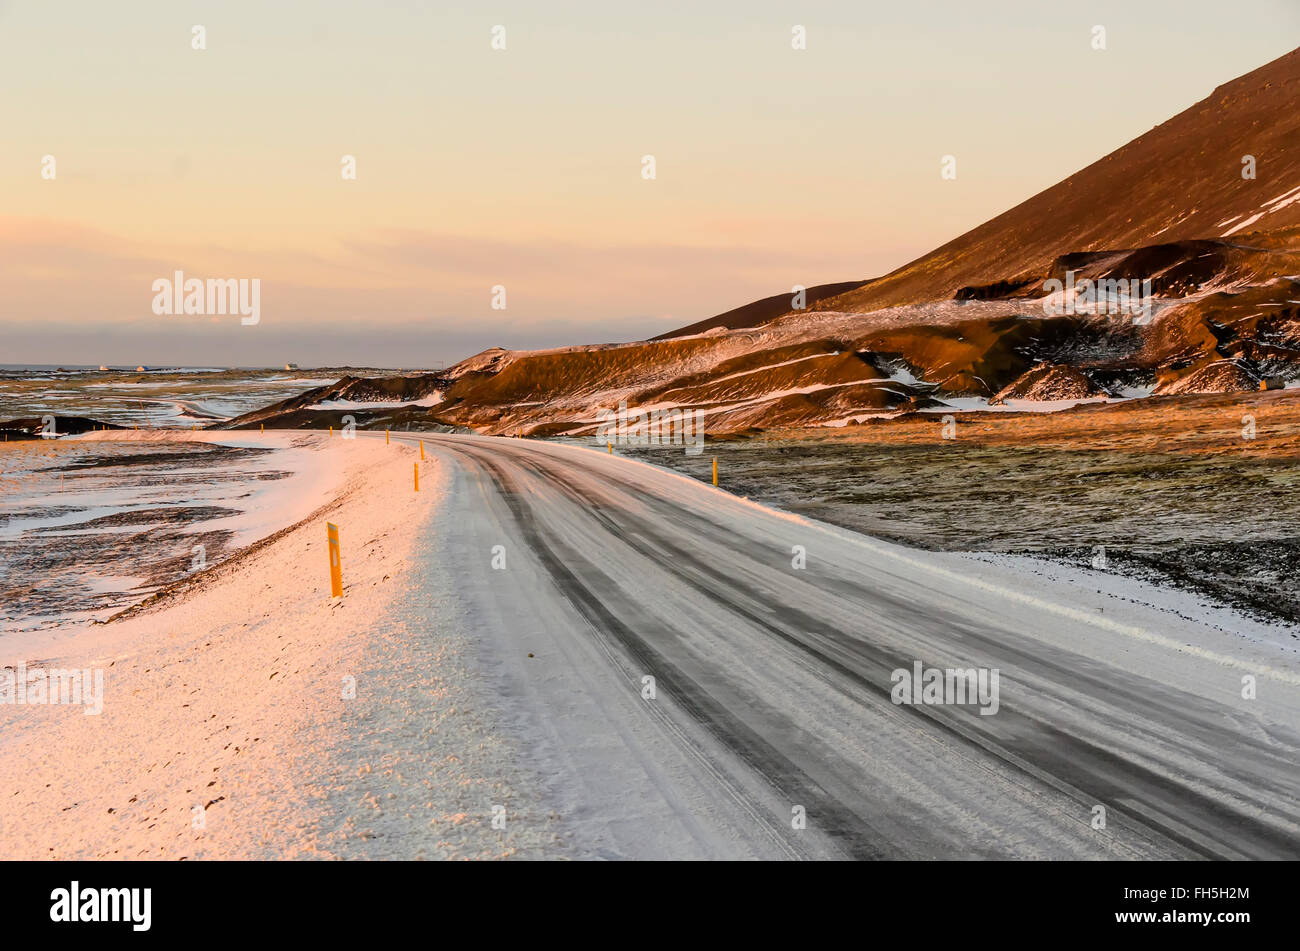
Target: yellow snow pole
336	569
385	437
421	448
417	476
715	470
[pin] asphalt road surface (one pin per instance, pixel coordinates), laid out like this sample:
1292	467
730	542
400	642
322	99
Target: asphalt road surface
769	728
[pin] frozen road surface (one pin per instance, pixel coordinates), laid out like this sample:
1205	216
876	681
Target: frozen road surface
691	675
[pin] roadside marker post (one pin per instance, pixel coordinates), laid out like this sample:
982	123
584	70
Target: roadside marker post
611	448
715	471
331	432
417	476
421	448
336	569
385	437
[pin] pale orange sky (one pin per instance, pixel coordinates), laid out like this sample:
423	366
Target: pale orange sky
522	166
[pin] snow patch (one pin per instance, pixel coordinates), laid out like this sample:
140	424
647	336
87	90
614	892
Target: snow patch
433	399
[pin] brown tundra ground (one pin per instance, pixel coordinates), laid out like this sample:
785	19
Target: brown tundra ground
1171	487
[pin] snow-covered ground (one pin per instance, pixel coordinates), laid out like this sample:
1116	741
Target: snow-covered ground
56	496
616	661
248	714
174	399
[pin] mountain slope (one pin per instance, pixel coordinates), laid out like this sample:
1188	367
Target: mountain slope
1182	180
761	311
1176	276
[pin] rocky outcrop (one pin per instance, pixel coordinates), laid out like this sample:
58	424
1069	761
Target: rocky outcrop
1047	383
1210	376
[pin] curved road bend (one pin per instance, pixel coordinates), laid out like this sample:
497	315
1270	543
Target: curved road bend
773	683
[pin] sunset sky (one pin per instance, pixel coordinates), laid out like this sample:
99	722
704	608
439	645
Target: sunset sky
522	167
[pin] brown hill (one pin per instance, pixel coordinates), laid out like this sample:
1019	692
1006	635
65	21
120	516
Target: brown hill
1049	383
1175	274
33	427
1209	376
1180	181
761	311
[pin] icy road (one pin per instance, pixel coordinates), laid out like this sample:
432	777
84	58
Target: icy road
691	675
